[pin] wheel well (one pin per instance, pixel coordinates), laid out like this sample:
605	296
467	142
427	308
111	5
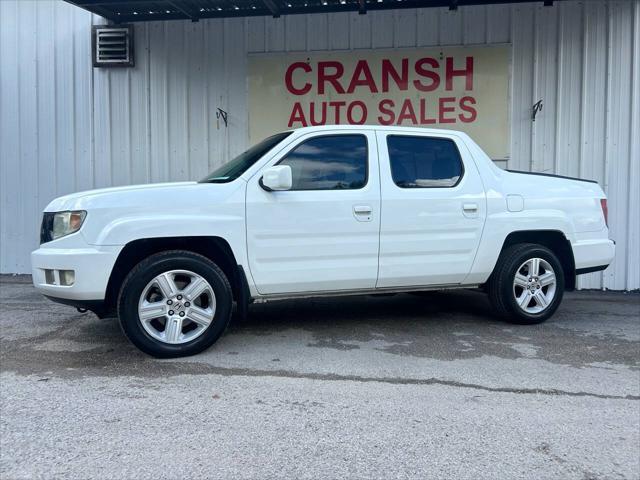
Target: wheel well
215	248
556	242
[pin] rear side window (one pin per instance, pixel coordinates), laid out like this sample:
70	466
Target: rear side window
332	162
422	162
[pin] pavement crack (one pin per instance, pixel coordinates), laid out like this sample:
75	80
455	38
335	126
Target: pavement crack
229	371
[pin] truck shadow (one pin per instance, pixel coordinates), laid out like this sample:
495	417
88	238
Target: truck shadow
589	330
455	325
367	309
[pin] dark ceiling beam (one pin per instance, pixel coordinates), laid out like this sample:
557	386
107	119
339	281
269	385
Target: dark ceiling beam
272	7
108	3
101	7
106	13
179	5
180	10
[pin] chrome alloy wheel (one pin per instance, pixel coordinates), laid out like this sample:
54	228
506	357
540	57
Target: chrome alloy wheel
177	306
534	285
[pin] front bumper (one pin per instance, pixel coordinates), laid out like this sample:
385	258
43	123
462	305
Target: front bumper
91	266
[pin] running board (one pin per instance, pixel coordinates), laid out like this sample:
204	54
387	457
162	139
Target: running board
365	291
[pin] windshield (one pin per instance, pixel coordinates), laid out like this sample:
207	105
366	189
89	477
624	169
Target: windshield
236	167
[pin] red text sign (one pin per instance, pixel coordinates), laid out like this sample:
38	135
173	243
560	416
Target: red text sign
460	88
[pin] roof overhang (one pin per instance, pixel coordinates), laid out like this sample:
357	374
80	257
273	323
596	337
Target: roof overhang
121	11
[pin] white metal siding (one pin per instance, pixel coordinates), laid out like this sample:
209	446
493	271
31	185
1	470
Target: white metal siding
66	127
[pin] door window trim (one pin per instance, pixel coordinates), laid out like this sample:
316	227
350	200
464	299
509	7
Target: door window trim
366	166
455	144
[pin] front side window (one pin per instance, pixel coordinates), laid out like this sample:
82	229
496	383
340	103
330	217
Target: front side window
331	162
421	162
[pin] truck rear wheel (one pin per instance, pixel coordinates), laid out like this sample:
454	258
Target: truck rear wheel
174	304
527	284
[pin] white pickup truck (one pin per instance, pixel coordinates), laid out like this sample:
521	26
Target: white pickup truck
326	210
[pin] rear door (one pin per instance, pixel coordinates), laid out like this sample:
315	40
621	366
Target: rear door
433	209
323	233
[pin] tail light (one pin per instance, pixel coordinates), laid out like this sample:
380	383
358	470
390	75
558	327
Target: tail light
605	210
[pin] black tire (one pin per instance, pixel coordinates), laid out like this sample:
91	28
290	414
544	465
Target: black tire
146	271
501	287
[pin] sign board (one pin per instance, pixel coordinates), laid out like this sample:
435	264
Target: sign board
461	88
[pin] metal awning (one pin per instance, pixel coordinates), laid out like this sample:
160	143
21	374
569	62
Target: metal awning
120	11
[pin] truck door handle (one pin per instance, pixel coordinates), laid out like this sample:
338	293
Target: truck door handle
362	212
470	210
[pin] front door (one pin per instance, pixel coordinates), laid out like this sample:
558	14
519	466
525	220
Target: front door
433	209
323	233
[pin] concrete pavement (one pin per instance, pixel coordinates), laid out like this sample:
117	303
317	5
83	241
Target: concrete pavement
363	387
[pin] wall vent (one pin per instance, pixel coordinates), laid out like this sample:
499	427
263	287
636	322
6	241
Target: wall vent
112	46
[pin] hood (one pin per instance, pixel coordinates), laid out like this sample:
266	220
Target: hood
115	216
134	196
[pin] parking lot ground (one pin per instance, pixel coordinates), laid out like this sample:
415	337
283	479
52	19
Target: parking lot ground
398	386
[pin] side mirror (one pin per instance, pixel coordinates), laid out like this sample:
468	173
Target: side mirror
277	178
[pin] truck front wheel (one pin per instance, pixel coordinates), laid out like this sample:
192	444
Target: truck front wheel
174	304
527	284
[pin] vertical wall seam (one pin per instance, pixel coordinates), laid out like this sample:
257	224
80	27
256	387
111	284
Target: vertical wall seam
513	75
37	123
226	83
92	118
129	129
148	102
559	78
167	170
284	32
206	119
187	92
580	66
485	34
110	126
534	91
55	103
581	101
465	33
606	280
327	27
583	86
635	101
437	27
73	105
20	213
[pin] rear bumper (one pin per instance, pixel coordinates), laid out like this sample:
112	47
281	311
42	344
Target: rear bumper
593	255
599	268
91	266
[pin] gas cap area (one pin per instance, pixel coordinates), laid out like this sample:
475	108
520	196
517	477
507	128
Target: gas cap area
515	203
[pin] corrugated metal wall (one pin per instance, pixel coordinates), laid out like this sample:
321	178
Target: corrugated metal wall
66	127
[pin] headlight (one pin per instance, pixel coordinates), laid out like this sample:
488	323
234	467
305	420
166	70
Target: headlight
59	224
